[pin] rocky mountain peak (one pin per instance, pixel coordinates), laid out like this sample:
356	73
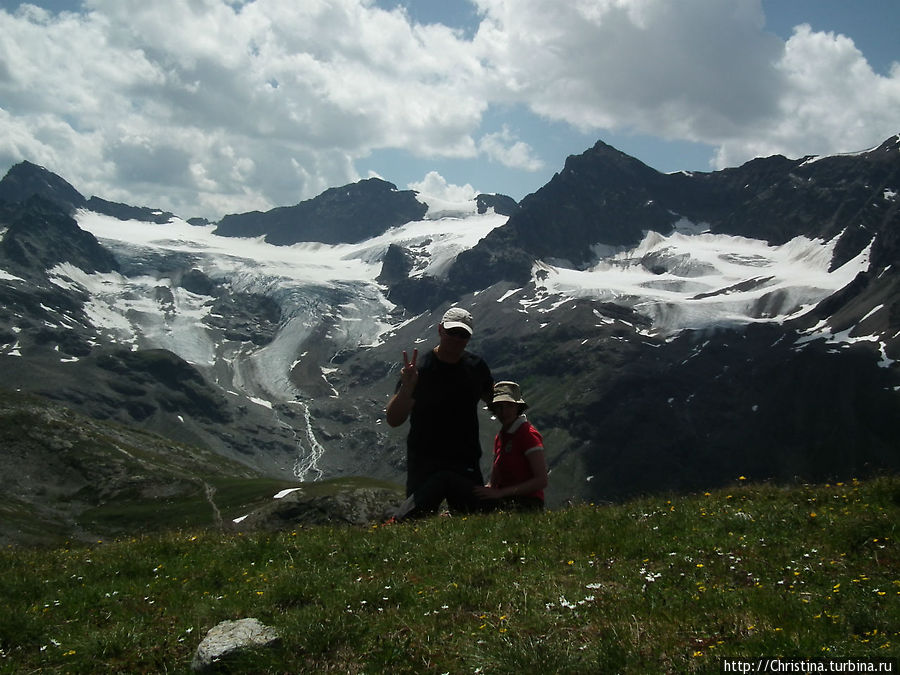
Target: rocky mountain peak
25	179
40	234
346	214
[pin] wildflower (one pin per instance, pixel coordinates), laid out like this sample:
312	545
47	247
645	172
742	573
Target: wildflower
565	603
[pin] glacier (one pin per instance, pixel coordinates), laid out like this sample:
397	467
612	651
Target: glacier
330	301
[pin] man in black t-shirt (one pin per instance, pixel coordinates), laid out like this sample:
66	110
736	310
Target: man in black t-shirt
439	394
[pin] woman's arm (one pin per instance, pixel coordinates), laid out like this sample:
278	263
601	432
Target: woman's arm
538	480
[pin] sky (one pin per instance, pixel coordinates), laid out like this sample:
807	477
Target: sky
210	107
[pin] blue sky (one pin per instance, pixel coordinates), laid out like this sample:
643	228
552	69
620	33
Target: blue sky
223	106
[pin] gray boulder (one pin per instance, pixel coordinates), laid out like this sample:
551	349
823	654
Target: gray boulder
230	637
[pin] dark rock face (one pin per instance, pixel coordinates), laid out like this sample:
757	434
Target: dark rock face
602	195
505	206
396	265
689	417
40	235
155	377
126	212
24	180
197	282
345	214
249	317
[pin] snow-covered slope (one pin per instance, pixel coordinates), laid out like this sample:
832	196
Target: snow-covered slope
678	281
696	281
315	285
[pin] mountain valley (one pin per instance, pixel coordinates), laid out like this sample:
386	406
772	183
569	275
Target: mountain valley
671	332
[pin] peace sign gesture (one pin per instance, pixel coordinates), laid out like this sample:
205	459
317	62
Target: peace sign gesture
401	403
409	374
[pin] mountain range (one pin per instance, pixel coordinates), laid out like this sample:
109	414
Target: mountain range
671	332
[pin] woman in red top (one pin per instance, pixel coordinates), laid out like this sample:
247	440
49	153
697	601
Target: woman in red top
519	472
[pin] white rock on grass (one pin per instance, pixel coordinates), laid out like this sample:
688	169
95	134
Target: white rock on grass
230	637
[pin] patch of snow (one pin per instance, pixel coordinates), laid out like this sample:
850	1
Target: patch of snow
871	312
6	276
508	294
285	493
692	281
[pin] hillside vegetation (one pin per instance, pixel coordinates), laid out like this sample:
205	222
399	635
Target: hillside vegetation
659	584
67	476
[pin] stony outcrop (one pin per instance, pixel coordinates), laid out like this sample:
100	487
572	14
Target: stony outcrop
229	638
346	214
360	506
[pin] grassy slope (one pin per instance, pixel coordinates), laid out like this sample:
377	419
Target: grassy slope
654	585
64	475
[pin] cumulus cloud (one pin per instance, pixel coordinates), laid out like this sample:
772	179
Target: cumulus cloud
667	68
832	101
218	106
503	147
224	106
435	185
695	70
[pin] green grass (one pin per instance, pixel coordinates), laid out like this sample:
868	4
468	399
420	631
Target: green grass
661	584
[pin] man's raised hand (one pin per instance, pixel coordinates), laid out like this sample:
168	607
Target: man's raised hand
409	374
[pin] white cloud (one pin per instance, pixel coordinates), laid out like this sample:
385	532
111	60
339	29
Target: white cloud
833	101
225	106
435	185
215	106
652	66
505	148
696	70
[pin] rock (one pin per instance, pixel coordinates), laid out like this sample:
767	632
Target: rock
25	180
230	637
126	212
347	214
503	205
360	506
396	265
